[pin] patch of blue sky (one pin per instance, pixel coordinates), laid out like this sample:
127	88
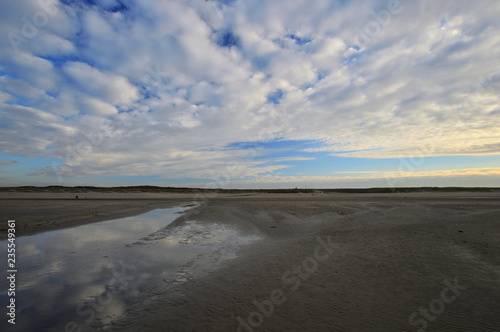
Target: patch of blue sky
227	38
66	118
356	47
275	97
119	7
148	92
330	163
52	94
71	2
340	153
18	101
59	61
279	41
324	164
114	7
261	63
351	58
276	144
362	56
26	166
321	75
124	110
306	86
226	2
299	40
12	102
274	157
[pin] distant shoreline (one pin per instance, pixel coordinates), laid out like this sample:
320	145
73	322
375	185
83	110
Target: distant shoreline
185	190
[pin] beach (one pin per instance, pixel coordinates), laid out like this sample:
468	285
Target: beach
323	262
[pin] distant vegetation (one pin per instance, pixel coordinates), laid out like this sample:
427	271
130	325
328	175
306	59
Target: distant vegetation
157	189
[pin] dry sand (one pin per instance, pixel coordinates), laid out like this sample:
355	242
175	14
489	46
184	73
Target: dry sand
395	262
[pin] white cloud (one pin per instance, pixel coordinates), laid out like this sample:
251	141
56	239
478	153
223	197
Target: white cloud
428	73
110	88
383	179
35	71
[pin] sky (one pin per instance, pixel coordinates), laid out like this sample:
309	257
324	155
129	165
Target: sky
250	93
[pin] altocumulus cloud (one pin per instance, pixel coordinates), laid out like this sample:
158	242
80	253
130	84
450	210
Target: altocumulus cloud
161	89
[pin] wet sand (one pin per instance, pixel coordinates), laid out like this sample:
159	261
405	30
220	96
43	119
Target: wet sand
326	262
40	212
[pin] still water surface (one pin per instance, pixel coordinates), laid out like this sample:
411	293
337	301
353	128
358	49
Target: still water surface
84	277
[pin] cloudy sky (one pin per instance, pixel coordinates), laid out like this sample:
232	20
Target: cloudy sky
250	93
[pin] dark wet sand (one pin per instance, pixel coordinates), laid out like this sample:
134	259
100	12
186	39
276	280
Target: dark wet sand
396	262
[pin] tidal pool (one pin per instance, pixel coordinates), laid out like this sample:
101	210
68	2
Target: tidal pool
82	278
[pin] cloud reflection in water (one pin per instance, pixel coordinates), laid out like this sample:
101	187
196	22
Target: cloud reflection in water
88	275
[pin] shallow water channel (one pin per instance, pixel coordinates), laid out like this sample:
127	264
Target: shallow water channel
86	276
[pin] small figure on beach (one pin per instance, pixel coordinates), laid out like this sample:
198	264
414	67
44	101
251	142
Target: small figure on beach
76	197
